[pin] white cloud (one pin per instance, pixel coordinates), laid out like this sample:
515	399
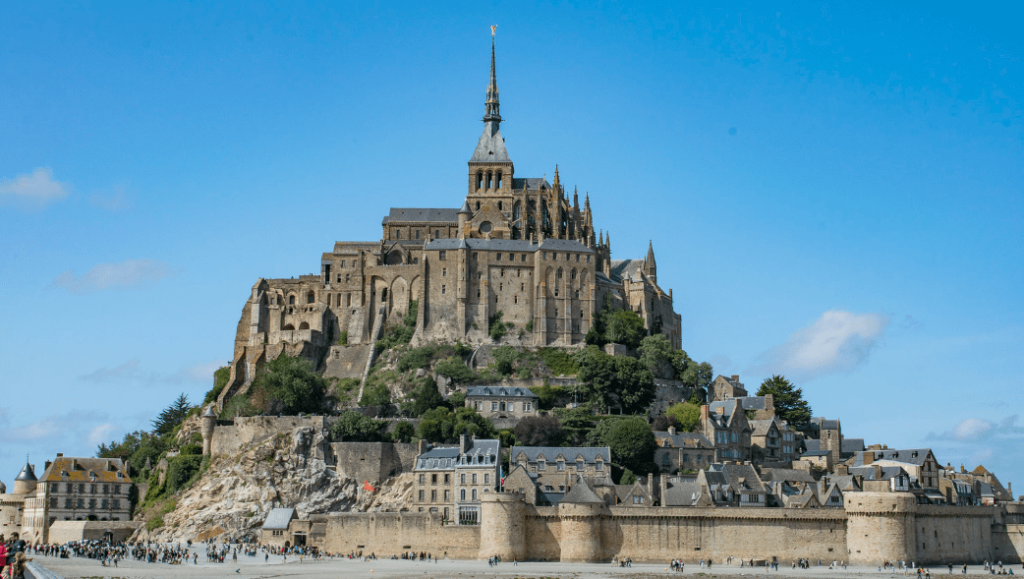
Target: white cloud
34	190
102	433
132	371
127	274
838	341
114	199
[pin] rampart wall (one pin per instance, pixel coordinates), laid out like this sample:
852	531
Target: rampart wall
386	534
373	461
256	429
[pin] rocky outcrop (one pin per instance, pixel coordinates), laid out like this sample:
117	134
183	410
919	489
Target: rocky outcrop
234	495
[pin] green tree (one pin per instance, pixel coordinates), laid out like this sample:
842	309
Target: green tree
504	359
378	395
424	397
576	422
634	385
540	431
615	380
457	400
625	327
172	416
404	431
597	373
289	385
627	478
352	426
789	400
631	441
455	369
686	414
656	354
220	380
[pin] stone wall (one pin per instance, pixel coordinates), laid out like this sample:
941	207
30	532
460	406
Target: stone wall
65	531
386	534
946	534
1008	543
346	361
256	429
373	462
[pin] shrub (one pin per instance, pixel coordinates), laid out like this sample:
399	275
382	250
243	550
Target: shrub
686	415
180	471
457	400
404	431
398	334
504	359
424	397
192	449
288	384
415	358
540	431
355	427
497	327
220	380
455	369
559	361
376	395
529	326
343	338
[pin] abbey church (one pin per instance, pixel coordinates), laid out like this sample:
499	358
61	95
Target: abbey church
516	246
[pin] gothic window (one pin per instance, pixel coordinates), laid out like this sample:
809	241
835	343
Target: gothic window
479	180
558	275
398	234
291	300
499	187
490	180
485	227
572	274
517	211
437	233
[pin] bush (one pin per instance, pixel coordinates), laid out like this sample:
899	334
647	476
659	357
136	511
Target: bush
289	385
402	333
504	359
549	397
628	478
558	361
192	449
355	427
415	358
220	380
376	395
457	400
443	425
239	405
686	415
497	328
180	471
343	338
424	397
625	327
540	431
455	369
404	431
529	326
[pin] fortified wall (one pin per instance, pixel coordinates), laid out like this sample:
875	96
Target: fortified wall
874	527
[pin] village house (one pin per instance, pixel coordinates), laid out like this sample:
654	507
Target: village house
544	473
725	424
682	451
502	401
451	479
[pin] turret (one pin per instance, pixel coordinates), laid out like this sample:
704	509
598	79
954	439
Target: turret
464	214
25	483
503	526
209	424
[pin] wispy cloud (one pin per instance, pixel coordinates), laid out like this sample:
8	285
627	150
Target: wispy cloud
33	190
130	273
838	341
132	371
114	199
981	429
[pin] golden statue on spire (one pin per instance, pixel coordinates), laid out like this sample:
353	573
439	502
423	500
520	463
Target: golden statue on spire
494	28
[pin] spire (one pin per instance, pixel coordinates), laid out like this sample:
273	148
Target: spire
650	266
557	180
492	106
575	198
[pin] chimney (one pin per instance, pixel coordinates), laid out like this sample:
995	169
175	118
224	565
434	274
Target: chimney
703	414
462	444
60	454
422	446
878	472
769	403
869	457
735	378
671	430
842	470
650	487
720	411
46	465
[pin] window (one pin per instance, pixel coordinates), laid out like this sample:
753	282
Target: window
444	272
579	465
343	263
527	406
735	437
446	495
53	503
291	300
442	255
67	503
474	479
104	503
444	289
423	479
511	406
70	487
422	493
474	494
542	465
462	480
117	505
487	479
348	278
81	503
417	234
92	503
106	489
560	466
638	499
398	234
433	479
437	233
433	496
447	478
494	406
497	257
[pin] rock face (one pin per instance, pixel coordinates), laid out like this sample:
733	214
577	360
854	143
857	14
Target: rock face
232	498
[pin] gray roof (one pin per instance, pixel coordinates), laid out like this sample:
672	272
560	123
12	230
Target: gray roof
816	453
684	439
278	519
734	472
448	457
423	214
681	492
483	447
581	493
515	391
745	402
564	245
788	475
868	472
812	444
852	445
520	245
627	268
729	406
589	453
533	183
27	474
824	423
491	146
915	456
761	427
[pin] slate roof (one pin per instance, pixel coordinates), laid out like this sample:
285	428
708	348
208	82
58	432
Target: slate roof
514	391
915	456
627	268
824	423
681	492
683	440
564	245
519	245
104	470
27	474
788	475
852	445
278	519
812	444
752	402
422	214
729	406
589	453
868	472
447	457
761	427
581	493
530	183
734	472
816	453
491	146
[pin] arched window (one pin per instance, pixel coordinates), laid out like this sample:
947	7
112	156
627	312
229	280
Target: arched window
437	233
499	180
517	211
310	298
288	327
304	326
490	180
291	300
558	275
573	273
479	179
478	206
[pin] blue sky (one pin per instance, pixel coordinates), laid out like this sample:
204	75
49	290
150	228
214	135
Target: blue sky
833	193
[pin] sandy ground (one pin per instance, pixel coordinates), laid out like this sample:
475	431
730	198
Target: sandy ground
255	568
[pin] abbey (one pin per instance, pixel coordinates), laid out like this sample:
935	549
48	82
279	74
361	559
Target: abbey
517	247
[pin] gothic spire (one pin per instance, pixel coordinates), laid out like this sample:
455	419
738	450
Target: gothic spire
491	107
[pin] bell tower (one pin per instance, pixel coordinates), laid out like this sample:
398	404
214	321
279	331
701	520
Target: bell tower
490	168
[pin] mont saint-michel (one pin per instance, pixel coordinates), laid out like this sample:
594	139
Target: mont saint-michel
489	382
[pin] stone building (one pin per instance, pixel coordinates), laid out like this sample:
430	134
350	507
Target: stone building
544	474
723	388
919	463
502	401
452	480
523	248
725	424
773	442
12	505
682	451
77	489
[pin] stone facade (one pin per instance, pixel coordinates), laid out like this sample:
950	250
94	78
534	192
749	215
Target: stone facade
518	247
502	401
453	480
682	451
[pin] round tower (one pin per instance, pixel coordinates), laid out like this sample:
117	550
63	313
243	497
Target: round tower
880	527
581	531
503	526
26	482
209	422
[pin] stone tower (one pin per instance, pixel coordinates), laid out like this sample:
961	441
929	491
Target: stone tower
880	527
650	266
490	168
209	423
503	526
25	483
580	513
